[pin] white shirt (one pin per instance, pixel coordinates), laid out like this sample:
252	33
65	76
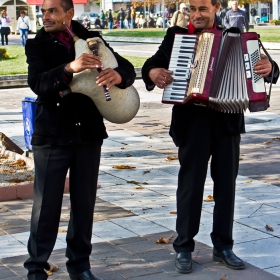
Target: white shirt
24	23
5	21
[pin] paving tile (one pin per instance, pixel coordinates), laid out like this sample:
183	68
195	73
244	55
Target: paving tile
135	269
262	253
6	272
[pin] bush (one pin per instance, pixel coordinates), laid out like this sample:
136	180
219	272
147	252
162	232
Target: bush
276	21
4	54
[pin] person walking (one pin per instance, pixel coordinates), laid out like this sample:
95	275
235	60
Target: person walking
5	29
133	17
166	16
121	17
102	19
236	18
202	134
128	17
23	25
69	132
110	19
224	12
253	13
180	17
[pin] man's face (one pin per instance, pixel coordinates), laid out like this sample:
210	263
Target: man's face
202	13
54	16
234	6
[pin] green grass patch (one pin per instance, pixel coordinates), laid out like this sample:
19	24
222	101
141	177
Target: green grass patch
135	60
13	66
145	32
268	34
18	65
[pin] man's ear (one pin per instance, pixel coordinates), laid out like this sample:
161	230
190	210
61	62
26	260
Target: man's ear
217	6
70	14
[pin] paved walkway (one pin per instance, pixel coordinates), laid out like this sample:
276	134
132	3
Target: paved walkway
134	207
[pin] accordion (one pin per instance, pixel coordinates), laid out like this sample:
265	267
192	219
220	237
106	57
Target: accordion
215	69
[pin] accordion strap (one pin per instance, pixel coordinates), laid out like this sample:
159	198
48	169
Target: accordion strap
272	70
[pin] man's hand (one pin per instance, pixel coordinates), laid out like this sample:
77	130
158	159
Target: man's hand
83	62
161	77
108	77
263	67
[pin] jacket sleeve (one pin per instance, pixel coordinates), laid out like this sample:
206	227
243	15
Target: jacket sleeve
42	80
226	21
162	57
246	22
275	74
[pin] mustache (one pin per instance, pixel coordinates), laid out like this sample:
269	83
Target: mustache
48	21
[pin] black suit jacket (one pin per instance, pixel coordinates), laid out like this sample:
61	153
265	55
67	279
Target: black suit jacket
73	119
232	124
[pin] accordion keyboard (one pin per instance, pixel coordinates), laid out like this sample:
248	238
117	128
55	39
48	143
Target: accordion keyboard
181	61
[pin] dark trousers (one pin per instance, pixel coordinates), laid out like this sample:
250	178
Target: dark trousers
51	165
204	140
4	36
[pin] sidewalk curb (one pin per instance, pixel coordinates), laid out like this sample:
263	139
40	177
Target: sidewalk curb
17	81
22	191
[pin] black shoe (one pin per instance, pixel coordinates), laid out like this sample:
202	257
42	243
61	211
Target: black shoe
86	275
228	258
183	262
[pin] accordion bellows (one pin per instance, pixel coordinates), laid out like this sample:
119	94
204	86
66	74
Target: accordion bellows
215	69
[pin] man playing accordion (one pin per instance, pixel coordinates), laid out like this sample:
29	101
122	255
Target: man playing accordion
202	133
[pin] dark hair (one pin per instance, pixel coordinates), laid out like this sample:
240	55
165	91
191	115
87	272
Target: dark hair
22	12
66	5
213	2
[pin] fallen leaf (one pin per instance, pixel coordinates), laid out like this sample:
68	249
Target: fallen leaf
169	158
138	187
6	209
117	264
21	198
276	138
145	183
53	268
173	212
98	186
269	227
122	148
267	142
62	230
132	194
48	272
123	167
248	181
223	278
9	171
149	137
209	198
133	182
146	171
69	207
16	180
128	155
19	162
111	155
240	158
165	240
